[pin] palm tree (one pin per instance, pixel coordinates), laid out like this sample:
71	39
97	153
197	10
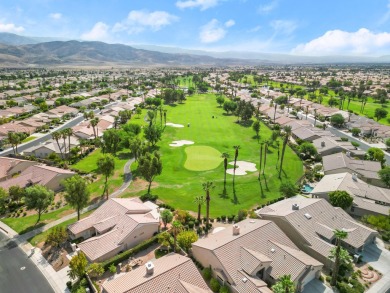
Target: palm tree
236	148
176	228
287	133
225	157
56	136
284	285
261	158
339	235
69	133
265	154
94	123
64	136
165	117
207	186
199	200
315	116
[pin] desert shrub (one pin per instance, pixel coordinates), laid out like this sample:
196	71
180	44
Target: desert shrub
207	274
214	285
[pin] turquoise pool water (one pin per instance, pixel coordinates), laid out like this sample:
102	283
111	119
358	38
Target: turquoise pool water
307	188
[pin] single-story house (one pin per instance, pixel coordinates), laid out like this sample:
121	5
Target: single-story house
368	199
172	273
343	162
12	166
117	225
310	223
248	255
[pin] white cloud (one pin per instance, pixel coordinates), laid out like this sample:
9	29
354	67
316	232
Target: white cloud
138	20
230	23
267	8
360	42
286	27
203	4
254	29
10	28
55	16
99	32
212	32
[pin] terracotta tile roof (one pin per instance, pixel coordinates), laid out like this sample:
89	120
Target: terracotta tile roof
6	164
314	219
259	241
172	273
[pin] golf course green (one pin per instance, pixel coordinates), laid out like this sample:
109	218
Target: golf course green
202	158
213	132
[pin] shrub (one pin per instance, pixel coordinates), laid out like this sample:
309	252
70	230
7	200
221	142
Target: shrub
370	268
191	224
328	279
206	274
224	289
148	197
242	214
214	285
112	268
69	285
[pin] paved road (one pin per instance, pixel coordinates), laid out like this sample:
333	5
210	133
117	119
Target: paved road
12	278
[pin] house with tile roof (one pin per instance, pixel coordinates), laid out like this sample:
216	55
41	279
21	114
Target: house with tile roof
50	177
327	145
253	253
343	162
367	199
172	273
12	166
117	225
51	146
310	222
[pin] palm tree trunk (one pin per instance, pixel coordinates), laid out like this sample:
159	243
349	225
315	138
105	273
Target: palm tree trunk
335	271
199	207
282	158
207	210
265	156
261	159
150	184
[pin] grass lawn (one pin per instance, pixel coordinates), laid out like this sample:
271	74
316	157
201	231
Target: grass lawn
202	158
178	186
29	139
42	236
25	224
89	164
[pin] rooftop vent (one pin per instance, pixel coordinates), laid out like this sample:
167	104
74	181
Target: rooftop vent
236	230
322	143
348	154
149	268
244	280
308	216
354	177
272	250
295	206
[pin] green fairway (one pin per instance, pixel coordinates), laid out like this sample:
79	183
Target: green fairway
210	126
202	158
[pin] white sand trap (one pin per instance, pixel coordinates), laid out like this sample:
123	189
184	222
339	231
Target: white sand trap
175	125
179	143
242	167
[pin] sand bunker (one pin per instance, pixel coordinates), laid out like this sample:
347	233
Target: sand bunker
242	167
175	125
179	143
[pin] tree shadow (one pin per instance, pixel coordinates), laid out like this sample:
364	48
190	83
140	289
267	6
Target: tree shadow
246	124
265	181
124	156
261	189
33	227
224	193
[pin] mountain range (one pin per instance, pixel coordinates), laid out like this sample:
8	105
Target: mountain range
23	51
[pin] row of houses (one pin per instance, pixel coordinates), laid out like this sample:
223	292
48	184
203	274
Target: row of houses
292	237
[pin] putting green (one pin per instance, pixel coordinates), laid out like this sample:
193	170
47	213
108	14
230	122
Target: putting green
202	158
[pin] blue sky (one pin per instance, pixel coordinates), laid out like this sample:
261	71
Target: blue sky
306	27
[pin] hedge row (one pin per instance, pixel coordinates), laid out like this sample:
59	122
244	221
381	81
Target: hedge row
128	253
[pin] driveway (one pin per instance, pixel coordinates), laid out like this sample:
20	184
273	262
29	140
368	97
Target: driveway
316	286
17	272
379	258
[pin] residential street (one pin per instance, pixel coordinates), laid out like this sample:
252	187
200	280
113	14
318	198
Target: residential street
17	272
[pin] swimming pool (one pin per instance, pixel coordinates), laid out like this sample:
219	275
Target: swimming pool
307	188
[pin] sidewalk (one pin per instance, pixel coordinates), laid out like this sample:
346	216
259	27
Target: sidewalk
57	280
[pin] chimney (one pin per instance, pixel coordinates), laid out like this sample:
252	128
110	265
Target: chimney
322	143
149	268
295	206
354	177
236	230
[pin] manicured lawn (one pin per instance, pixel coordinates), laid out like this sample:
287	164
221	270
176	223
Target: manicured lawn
42	236
178	186
202	158
25	224
29	139
89	164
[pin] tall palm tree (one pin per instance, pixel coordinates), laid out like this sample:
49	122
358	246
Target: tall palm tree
287	133
199	201
69	133
261	158
265	155
176	228
236	148
315	116
94	122
64	136
339	235
207	186
225	157
56	136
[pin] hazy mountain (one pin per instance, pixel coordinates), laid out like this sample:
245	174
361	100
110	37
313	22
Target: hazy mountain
274	58
13	39
98	53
